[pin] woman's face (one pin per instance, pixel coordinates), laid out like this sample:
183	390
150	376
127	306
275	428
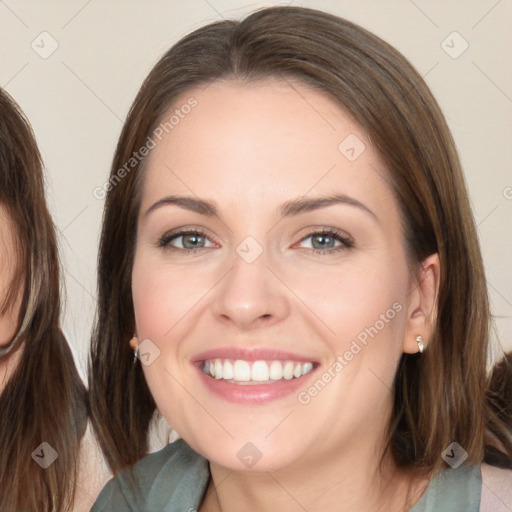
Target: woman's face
301	329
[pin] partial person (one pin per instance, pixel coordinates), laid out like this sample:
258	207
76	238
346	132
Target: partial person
43	402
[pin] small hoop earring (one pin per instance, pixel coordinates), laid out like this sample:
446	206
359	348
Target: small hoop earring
419	341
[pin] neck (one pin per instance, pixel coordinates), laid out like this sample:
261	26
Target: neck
349	481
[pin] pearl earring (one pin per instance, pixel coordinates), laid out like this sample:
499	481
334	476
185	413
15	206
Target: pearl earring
419	341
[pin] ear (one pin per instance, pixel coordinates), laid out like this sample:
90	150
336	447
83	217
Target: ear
422	310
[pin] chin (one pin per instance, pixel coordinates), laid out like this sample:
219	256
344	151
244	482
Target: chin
245	453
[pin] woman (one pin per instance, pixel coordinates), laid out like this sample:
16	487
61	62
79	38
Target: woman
42	399
288	234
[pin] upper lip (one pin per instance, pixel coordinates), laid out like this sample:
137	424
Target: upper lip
256	354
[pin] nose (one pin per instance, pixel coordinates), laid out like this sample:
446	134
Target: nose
251	295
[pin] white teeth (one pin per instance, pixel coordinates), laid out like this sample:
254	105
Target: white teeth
218	369
276	370
241	371
288	370
306	368
257	371
227	371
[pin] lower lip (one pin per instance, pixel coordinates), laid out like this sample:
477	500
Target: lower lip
253	393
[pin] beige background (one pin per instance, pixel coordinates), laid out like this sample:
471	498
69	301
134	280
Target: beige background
78	96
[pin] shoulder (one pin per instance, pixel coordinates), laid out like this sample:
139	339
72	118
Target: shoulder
174	475
453	490
496	489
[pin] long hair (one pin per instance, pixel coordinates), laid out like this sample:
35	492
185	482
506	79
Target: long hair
44	400
440	396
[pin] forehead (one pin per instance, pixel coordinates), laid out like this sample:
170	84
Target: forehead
239	138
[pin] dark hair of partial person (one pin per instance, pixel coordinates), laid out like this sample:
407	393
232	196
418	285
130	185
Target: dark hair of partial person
440	396
44	399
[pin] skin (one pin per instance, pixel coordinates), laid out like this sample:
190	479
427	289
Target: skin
8	320
238	140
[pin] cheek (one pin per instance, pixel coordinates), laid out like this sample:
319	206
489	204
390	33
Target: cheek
168	299
162	295
159	300
362	307
355	300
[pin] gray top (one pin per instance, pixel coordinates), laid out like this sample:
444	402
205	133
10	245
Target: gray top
175	479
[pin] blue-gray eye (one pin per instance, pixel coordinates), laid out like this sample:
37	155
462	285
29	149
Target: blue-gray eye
191	240
323	242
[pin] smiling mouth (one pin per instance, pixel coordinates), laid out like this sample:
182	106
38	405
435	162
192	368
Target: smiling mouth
239	371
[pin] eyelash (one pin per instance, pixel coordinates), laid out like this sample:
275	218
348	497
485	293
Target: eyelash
346	241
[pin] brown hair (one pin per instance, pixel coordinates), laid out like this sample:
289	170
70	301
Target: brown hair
499	401
44	399
440	396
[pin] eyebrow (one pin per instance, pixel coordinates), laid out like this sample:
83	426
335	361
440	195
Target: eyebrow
287	209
